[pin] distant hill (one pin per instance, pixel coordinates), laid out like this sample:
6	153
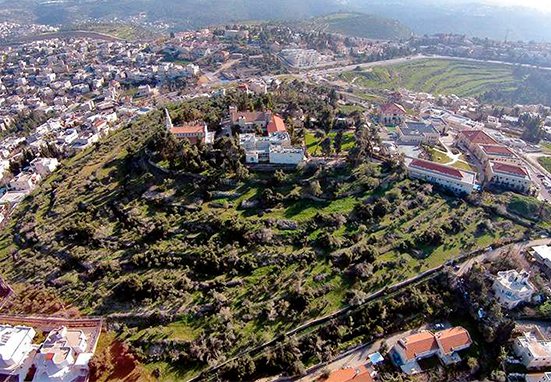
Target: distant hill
360	25
473	18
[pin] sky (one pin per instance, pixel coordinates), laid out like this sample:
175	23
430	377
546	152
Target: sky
544	5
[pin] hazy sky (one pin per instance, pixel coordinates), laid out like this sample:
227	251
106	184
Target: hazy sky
539	4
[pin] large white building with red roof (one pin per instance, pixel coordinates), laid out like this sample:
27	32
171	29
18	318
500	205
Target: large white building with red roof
472	140
194	132
510	176
451	178
499	153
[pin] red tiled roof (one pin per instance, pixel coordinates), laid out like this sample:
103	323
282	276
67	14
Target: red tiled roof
432	166
479	137
250	116
188	129
360	374
418	343
276	125
497	150
392	108
453	338
509	169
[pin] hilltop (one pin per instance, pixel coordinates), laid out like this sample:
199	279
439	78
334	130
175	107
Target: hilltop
359	25
200	257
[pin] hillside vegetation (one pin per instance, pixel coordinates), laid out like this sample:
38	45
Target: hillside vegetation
491	82
200	258
129	32
359	25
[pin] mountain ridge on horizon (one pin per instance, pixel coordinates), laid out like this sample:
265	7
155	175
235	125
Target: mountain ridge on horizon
471	17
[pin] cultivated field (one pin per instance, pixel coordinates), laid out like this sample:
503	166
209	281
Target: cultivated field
439	76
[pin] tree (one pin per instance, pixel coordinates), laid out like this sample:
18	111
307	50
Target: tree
533	127
327	118
326	146
315	188
337	142
367	138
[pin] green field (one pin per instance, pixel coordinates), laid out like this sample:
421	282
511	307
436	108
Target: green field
546	163
443	158
438	77
313	143
129	32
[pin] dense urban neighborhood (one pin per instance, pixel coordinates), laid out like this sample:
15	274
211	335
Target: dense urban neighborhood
273	201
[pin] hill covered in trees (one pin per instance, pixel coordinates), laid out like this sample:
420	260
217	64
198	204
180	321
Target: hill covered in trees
359	25
193	257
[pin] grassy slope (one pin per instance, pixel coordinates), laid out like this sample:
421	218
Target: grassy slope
439	77
95	178
360	25
545	162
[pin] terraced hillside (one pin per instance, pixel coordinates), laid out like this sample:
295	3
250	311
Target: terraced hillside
493	82
360	25
200	258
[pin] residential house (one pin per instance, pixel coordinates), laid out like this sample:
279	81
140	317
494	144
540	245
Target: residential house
15	350
63	357
417	133
542	254
444	344
349	374
451	178
44	166
512	288
508	176
533	349
25	182
392	114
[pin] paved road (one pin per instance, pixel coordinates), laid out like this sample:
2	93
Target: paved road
536	169
394	61
492	254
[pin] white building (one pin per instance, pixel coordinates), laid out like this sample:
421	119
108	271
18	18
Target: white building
416	133
542	253
24	182
538	377
63	357
498	153
455	180
533	349
15	348
275	148
511	288
301	58
509	176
